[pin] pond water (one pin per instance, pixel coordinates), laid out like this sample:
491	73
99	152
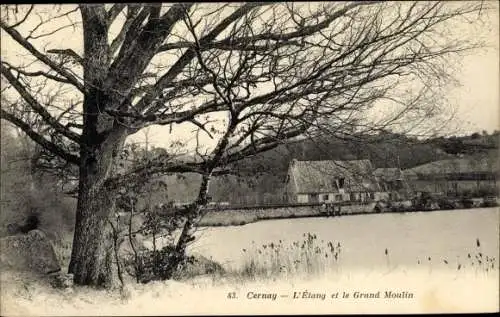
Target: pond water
410	239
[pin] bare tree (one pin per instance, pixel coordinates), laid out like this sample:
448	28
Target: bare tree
249	76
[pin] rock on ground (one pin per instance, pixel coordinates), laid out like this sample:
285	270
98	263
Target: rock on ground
200	266
61	280
28	252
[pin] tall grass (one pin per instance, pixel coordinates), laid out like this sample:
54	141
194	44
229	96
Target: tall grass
306	257
313	257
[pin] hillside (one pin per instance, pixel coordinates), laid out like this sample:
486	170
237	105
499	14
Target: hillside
261	177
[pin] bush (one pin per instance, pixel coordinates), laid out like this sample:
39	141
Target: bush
199	265
150	218
152	265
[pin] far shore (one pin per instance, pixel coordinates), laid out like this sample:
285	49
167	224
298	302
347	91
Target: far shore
238	217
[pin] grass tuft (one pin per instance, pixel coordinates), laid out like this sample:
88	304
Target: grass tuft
305	257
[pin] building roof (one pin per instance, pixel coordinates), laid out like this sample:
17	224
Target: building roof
321	176
388	174
387	178
456	166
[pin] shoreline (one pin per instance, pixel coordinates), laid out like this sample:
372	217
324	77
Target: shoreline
226	217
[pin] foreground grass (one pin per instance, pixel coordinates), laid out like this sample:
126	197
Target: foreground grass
307	265
443	291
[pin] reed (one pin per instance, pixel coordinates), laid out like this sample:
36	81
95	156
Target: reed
305	257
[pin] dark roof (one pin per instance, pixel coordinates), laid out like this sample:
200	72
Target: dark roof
387	178
388	174
320	176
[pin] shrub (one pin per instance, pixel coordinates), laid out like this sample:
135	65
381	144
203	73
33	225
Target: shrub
198	265
140	213
143	264
151	265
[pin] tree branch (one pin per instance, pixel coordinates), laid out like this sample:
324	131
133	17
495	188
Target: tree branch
46	144
24	18
224	45
186	58
113	12
69	53
284	39
36	74
27	45
38	108
132	13
135	56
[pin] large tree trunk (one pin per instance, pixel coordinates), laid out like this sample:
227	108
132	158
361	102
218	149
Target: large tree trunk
91	255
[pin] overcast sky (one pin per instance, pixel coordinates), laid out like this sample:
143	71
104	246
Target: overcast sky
478	97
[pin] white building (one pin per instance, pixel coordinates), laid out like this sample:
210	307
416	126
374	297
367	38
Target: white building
331	181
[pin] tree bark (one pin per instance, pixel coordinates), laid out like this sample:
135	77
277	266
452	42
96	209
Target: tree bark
91	257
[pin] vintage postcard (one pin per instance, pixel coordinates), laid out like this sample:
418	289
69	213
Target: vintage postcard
249	158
